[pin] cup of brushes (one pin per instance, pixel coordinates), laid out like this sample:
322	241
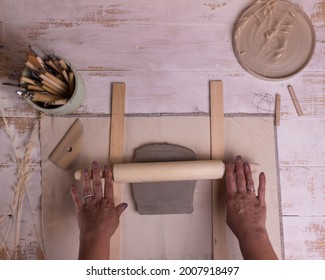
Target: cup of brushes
50	84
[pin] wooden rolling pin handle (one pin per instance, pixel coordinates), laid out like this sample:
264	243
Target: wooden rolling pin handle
167	171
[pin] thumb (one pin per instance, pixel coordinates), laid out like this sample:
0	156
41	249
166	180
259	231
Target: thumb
120	208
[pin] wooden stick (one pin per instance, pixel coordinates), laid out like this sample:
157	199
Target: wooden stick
116	149
63	64
54	90
59	75
217	125
71	83
40	97
35	61
277	109
295	101
50	80
65	75
31	87
217	131
117	123
49	89
58	102
55	84
31	66
26	80
57	80
52	64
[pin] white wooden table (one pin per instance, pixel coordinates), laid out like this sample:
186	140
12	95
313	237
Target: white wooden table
165	52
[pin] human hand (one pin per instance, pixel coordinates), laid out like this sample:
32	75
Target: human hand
246	212
98	217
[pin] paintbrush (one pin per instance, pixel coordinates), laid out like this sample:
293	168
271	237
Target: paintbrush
36	51
51	70
58	102
27	80
35	63
47	79
40	72
48	59
41	78
60	63
24	85
34	57
38	96
64	69
40	84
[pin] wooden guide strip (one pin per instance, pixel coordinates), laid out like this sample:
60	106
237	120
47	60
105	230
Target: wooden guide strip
116	149
217	140
295	101
277	109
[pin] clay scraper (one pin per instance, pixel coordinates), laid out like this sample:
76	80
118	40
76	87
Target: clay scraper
69	147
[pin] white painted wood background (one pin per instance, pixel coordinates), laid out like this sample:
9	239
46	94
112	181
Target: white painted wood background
165	52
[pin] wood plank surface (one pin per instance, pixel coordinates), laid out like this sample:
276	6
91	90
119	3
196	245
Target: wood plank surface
305	238
164	91
156	48
303	191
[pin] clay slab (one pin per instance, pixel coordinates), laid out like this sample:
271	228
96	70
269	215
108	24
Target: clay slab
163	197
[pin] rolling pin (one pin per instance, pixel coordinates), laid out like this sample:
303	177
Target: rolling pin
167	171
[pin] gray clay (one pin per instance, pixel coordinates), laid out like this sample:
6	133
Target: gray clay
164	197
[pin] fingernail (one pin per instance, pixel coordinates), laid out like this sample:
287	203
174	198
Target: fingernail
246	166
86	172
262	175
239	159
95	164
106	168
124	206
228	165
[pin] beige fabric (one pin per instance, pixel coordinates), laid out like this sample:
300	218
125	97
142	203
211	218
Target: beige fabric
157	236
